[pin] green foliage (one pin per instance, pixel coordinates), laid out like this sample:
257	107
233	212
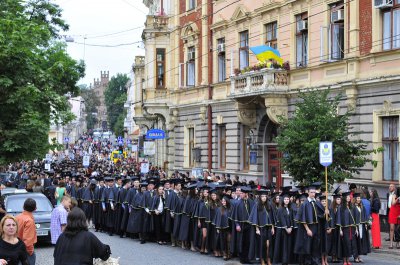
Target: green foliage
115	96
35	74
91	103
316	119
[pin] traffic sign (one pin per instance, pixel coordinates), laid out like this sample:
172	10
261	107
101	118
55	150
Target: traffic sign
120	142
66	140
128	141
120	138
325	153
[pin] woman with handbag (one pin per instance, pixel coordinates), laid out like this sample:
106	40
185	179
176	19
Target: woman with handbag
76	245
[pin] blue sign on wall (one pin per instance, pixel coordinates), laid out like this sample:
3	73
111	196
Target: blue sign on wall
155	134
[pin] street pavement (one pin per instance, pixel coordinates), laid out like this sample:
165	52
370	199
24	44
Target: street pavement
131	252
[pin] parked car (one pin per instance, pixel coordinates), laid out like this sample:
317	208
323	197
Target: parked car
8	177
13	202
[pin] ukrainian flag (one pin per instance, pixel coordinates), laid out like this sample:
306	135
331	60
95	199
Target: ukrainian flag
264	53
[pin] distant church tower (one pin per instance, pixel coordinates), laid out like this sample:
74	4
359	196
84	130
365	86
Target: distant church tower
99	86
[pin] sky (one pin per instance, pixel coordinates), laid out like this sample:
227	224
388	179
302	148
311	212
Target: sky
104	23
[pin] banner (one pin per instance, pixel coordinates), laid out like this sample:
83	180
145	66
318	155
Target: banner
149	148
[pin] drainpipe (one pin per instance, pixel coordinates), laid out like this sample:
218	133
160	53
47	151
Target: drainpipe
210	80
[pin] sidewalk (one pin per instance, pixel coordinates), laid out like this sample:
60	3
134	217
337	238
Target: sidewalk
384	249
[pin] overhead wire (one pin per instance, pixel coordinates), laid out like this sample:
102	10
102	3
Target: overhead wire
250	37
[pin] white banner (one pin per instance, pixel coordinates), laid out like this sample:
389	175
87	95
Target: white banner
144	167
86	161
149	148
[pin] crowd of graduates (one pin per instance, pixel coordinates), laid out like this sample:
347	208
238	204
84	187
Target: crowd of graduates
216	216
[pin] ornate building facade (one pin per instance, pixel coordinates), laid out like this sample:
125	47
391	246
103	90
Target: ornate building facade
99	86
220	112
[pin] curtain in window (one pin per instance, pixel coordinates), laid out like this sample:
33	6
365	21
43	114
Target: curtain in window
221	68
190	74
244	58
387	30
395	161
337	41
396	28
387	170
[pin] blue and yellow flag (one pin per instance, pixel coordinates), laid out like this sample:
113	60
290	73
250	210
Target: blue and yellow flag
264	52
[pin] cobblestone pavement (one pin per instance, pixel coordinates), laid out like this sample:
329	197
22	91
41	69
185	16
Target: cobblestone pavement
131	252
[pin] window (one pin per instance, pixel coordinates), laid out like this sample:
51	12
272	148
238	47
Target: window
160	57
336	32
301	40
244	50
190	80
390	142
245	149
271	30
222	146
191	146
391	27
192	4
221	60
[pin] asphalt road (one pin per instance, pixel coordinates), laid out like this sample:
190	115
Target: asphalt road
131	252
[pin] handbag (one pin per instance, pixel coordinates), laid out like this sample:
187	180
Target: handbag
110	261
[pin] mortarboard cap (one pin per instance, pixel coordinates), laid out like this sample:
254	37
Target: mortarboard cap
286	188
357	194
245	189
345	194
336	191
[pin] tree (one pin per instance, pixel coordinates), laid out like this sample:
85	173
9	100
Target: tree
316	119
91	103
115	96
35	74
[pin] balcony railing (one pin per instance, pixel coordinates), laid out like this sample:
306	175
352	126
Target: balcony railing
259	82
156	22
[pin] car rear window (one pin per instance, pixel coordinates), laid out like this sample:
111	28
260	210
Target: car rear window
16	204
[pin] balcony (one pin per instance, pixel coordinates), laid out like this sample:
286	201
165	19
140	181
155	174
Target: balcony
156	22
264	81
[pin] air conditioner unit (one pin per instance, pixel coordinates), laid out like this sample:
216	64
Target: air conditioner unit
221	47
191	56
337	15
302	25
383	3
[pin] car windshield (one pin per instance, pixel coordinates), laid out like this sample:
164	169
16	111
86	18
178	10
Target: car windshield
16	204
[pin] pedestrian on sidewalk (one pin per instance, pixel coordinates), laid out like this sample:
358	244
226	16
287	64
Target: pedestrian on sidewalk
394	202
12	249
59	218
376	226
77	245
27	229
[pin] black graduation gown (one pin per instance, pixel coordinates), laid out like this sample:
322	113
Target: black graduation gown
177	211
146	203
240	217
87	202
108	199
186	227
121	205
334	241
283	253
306	245
170	197
212	231
362	239
127	209
222	224
347	222
136	217
97	205
264	220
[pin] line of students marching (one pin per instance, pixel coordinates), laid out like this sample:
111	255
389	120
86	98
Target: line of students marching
253	224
